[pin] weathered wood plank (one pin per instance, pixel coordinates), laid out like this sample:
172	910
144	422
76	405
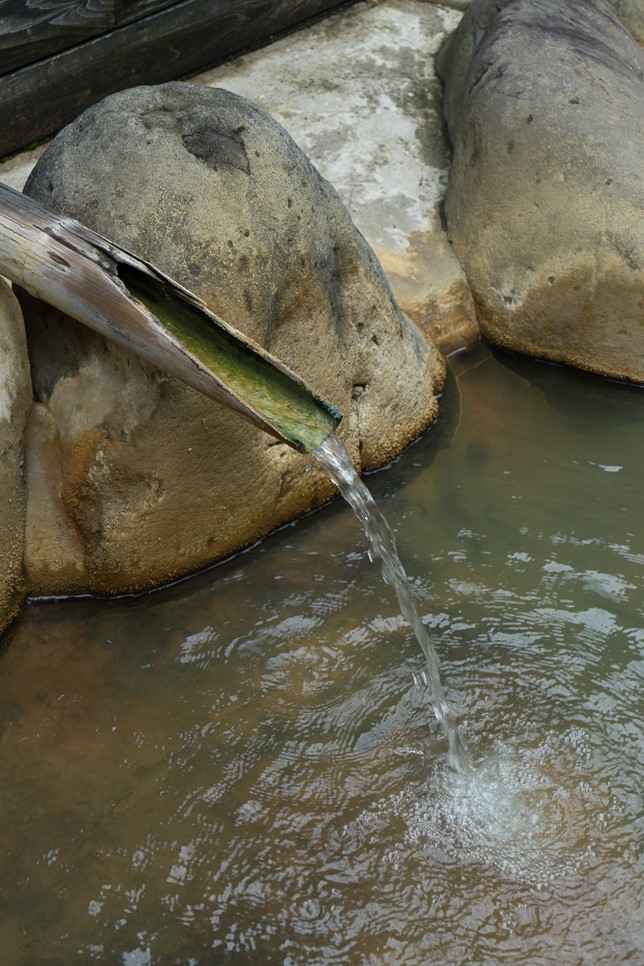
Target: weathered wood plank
39	99
128	10
30	31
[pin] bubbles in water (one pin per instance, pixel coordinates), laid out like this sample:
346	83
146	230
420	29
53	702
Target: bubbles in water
531	813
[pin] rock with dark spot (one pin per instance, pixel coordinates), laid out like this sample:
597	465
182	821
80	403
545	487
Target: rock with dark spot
544	101
15	404
217	147
137	478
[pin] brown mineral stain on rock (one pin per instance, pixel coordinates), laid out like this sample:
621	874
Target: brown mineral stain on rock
15	403
54	548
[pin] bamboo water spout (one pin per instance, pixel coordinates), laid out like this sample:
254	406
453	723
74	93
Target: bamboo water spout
133	303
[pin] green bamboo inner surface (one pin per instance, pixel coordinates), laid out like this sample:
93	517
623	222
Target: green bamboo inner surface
297	414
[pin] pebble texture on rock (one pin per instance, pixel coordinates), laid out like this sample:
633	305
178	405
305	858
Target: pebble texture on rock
15	403
544	101
150	480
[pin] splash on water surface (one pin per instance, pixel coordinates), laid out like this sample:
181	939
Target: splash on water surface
530	812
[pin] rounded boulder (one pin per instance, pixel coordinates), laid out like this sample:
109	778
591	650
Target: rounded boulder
544	101
154	480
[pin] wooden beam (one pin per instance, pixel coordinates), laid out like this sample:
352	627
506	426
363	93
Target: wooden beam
31	31
128	10
39	99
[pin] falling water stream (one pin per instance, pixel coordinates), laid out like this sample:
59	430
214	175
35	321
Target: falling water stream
333	457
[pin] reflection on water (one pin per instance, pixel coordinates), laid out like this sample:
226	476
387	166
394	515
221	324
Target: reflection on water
241	769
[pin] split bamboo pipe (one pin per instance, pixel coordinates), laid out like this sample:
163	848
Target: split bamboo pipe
132	302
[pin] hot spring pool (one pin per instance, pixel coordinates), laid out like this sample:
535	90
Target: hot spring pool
240	769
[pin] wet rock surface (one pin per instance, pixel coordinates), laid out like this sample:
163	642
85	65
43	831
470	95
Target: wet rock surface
15	403
149	479
544	101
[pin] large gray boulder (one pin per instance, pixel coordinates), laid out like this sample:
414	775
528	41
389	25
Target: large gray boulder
544	101
15	403
134	478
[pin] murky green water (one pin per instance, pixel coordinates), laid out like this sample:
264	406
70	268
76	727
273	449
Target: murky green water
241	770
